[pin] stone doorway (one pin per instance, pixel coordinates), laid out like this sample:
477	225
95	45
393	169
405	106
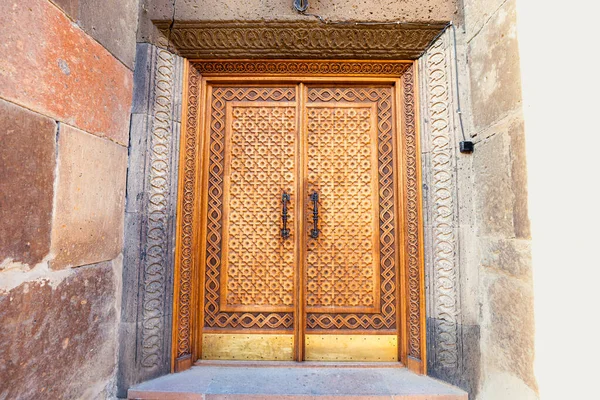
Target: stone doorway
162	338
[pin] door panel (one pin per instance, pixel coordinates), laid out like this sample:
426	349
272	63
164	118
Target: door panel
258	265
214	316
343	260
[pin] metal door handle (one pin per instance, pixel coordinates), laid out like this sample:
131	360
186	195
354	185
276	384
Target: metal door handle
285	198
314	232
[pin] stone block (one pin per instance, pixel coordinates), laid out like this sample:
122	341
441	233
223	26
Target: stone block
495	76
508	327
90	196
70	7
477	12
494	198
516	132
385	10
59	339
51	66
113	23
27	162
256	10
512	257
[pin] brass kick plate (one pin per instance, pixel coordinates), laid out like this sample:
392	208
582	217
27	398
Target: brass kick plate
351	348
247	347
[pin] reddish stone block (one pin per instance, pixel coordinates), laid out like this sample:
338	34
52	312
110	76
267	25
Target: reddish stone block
50	65
59	341
27	162
87	226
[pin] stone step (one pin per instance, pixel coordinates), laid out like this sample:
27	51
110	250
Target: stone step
270	382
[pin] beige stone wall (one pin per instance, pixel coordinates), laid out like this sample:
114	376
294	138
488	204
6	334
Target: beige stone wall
497	292
66	85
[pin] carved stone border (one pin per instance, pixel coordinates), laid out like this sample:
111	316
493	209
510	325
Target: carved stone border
441	214
186	317
150	218
299	39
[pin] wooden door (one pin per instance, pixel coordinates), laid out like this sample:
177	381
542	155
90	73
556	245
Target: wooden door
351	267
299	224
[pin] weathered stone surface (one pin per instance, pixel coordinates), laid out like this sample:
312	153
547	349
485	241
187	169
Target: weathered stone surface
59	341
27	162
70	7
509	256
508	327
494	198
90	196
494	69
113	23
51	66
477	12
253	10
518	174
275	10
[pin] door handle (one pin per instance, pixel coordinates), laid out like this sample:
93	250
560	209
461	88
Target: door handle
314	232
285	199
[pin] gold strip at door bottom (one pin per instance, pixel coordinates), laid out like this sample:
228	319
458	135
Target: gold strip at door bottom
216	346
351	348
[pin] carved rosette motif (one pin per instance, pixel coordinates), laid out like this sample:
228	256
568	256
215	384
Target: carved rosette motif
183	335
213	315
386	318
445	299
412	218
156	246
299	39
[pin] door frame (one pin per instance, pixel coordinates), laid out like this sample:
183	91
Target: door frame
188	279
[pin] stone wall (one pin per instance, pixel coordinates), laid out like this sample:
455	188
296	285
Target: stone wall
498	181
66	80
480	313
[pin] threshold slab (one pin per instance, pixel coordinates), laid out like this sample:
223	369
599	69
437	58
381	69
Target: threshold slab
269	382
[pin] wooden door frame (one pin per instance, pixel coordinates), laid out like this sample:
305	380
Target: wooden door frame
188	279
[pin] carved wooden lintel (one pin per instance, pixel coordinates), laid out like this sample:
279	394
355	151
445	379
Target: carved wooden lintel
299	39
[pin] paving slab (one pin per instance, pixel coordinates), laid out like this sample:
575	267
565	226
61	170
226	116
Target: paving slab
242	382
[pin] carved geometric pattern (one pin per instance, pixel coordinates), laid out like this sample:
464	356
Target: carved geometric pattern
282	67
185	284
412	216
341	263
260	265
387	269
444	290
299	39
213	315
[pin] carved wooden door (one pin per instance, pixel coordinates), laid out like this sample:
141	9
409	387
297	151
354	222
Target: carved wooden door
299	224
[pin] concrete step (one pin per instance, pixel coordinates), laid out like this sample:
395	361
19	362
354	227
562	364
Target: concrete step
315	382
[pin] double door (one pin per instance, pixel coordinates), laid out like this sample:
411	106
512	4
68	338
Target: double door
299	238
